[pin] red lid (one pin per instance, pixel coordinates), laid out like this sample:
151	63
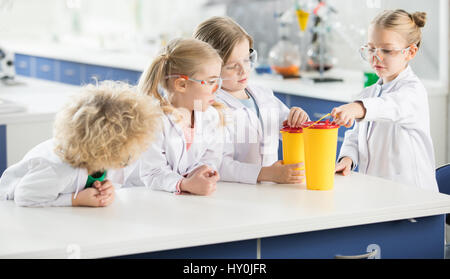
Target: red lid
320	125
290	129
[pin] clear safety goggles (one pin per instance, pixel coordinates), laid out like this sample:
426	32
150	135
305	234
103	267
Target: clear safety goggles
367	53
247	63
215	82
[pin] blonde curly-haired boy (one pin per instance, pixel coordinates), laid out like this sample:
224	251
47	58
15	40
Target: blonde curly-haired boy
96	136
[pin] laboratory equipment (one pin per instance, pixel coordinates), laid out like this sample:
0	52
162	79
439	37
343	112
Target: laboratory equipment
284	57
7	71
320	57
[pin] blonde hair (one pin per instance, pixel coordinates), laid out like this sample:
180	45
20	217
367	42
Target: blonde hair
105	126
406	24
180	56
222	33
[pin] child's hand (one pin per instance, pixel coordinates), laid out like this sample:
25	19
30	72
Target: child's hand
346	114
105	188
196	170
92	197
296	117
201	181
87	197
283	174
344	166
106	191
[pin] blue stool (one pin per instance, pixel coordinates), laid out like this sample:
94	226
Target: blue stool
443	181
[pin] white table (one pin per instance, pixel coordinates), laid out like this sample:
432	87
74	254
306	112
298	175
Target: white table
22	130
252	217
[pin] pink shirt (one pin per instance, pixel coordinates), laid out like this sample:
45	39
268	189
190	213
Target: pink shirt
189	136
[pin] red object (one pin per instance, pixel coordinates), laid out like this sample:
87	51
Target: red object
290	129
320	125
316	9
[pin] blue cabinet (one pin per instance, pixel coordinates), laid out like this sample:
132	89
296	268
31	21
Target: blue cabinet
420	238
70	72
101	73
22	64
282	97
316	108
3	157
45	68
97	73
245	249
129	76
423	238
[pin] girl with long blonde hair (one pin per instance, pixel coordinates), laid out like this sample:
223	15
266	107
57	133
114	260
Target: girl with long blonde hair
186	155
251	153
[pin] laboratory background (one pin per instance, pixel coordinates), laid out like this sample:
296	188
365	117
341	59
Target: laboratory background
71	41
308	54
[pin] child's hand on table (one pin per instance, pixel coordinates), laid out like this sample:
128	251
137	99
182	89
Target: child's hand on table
92	197
344	166
106	191
283	174
201	181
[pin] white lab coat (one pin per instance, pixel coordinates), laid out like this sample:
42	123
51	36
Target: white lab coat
41	179
252	142
393	140
167	161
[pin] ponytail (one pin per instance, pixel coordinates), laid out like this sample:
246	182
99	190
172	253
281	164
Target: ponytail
153	81
180	56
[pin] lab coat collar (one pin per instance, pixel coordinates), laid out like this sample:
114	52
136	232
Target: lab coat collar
173	122
229	99
197	124
179	130
234	102
385	87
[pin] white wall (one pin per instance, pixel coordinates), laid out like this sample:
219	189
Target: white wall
122	23
116	20
448	80
119	21
33	18
357	13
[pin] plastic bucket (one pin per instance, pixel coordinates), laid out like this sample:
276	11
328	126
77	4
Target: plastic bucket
293	146
320	141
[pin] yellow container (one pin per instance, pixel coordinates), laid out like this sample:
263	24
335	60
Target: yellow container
293	146
302	18
320	154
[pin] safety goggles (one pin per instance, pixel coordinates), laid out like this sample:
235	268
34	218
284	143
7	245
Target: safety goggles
247	63
367	53
215	82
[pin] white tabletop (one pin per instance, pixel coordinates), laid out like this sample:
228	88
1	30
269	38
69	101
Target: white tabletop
141	220
130	59
344	91
39	99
